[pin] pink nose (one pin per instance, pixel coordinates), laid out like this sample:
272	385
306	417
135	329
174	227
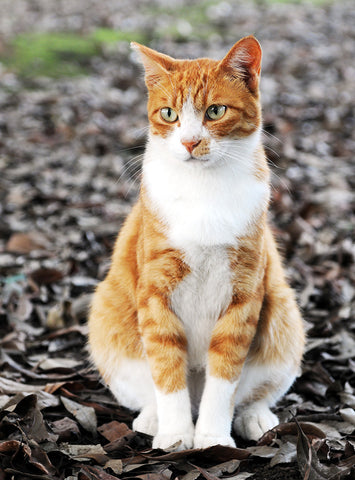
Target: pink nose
190	144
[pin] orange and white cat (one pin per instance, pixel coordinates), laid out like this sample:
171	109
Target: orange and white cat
195	318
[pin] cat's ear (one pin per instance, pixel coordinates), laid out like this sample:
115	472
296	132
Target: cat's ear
155	64
244	59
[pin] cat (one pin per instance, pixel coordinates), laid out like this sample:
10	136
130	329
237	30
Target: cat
195	319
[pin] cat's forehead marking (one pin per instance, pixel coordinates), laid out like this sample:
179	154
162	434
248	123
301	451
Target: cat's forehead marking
192	83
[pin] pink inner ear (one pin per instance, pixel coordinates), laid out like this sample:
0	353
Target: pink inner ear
245	57
252	47
155	64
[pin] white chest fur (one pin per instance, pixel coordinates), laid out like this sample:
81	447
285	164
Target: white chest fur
201	297
204	206
204	210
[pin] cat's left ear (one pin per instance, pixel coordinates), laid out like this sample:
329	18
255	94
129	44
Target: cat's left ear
155	64
244	59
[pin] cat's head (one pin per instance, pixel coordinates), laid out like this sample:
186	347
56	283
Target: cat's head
201	111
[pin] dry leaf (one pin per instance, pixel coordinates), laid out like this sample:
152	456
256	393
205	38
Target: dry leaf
285	454
27	242
114	430
86	416
115	465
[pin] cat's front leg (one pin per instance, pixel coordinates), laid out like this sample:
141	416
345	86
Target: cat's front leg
228	349
166	349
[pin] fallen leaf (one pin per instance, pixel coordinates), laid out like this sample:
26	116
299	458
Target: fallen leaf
348	415
205	473
225	467
89	472
85	452
241	476
59	363
286	454
114	430
263	451
46	276
32	420
218	453
86	416
27	242
10	386
308	462
66	429
116	465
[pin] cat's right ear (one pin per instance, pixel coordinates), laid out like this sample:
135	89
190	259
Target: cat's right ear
244	60
155	64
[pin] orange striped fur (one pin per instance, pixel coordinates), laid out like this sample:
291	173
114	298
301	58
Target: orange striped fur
202	307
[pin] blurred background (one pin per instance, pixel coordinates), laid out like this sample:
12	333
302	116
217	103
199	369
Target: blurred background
72	131
73	126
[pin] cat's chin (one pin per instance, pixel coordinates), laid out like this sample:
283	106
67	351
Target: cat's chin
200	162
193	159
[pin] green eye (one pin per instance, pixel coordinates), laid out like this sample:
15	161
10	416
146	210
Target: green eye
168	114
215	112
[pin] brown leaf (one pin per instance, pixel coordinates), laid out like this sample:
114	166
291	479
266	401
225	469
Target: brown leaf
216	454
290	429
32	420
88	472
262	451
10	386
205	473
46	276
27	242
66	429
285	454
116	465
114	430
226	467
86	416
308	462
9	446
84	452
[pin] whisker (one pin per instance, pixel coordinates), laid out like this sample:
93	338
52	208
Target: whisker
273	151
135	181
270	135
130	166
129	149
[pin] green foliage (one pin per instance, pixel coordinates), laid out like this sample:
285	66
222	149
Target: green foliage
50	54
69	54
60	54
108	35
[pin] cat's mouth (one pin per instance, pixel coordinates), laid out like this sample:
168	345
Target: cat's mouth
194	159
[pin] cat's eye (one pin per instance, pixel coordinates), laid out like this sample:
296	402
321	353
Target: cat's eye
168	114
215	112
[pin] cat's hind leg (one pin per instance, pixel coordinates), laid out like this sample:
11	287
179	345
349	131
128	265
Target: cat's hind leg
272	364
259	389
133	387
117	351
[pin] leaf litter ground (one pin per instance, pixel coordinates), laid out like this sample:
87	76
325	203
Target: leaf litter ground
70	153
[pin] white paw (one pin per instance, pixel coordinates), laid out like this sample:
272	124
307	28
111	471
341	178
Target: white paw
252	422
175	442
147	421
205	441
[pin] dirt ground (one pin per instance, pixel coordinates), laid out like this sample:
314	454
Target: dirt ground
70	156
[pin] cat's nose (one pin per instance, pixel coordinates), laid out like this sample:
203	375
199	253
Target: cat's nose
190	144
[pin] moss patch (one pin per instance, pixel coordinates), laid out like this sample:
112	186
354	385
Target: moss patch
59	54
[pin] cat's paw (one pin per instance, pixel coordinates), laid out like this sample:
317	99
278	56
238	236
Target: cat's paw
205	441
254	421
147	421
175	442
